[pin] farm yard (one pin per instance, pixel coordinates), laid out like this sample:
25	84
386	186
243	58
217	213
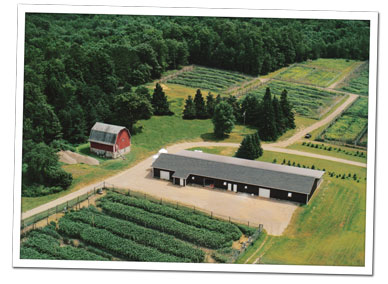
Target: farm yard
124	227
350	125
215	80
321	72
93	233
307	101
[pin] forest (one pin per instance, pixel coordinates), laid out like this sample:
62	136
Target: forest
80	69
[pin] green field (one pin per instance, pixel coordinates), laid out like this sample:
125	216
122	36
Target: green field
321	72
210	79
129	228
358	82
307	101
349	126
330	230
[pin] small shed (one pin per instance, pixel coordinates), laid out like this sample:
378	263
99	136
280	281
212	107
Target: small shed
109	140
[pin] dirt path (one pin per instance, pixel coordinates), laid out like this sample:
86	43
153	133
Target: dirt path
328	119
258	249
336	83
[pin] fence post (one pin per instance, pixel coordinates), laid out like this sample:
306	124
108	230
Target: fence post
229	219
248	224
211	214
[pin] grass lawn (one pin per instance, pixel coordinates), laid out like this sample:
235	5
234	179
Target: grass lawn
330	230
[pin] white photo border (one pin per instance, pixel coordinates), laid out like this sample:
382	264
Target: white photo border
367	269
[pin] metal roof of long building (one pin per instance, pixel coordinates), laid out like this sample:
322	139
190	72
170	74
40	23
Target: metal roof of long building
251	163
201	164
104	133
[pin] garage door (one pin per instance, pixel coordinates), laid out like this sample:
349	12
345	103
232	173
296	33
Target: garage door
264	192
165	175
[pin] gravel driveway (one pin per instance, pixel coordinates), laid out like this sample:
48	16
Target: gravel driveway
274	215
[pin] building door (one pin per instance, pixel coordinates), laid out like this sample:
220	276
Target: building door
235	187
165	175
182	182
264	192
229	186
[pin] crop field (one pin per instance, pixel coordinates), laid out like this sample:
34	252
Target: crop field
307	101
321	72
350	125
210	79
341	229
129	228
358	82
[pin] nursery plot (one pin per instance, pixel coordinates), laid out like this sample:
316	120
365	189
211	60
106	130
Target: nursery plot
210	79
351	124
358	82
133	229
321	72
307	101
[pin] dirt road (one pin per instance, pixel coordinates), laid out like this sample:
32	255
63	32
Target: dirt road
328	119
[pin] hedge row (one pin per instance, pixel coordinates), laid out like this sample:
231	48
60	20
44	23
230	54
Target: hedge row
186	216
148	237
198	236
48	245
124	248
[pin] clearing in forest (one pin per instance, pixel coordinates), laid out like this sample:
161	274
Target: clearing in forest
216	80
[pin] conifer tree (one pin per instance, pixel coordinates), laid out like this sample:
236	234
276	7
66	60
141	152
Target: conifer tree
267	123
286	108
200	107
257	144
247	149
279	118
210	104
159	101
218	99
189	111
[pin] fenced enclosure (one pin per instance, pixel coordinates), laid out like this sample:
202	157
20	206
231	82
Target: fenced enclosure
84	200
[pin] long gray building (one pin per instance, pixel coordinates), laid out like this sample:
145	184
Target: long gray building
239	175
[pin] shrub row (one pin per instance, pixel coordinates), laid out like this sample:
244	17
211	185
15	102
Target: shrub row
198	236
148	237
48	245
103	239
334	149
186	216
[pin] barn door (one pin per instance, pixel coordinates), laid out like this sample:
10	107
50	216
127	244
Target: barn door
165	175
229	186
235	187
264	192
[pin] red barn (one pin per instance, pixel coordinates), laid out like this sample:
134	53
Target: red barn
109	140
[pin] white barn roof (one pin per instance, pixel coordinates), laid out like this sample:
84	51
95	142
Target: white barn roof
104	133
